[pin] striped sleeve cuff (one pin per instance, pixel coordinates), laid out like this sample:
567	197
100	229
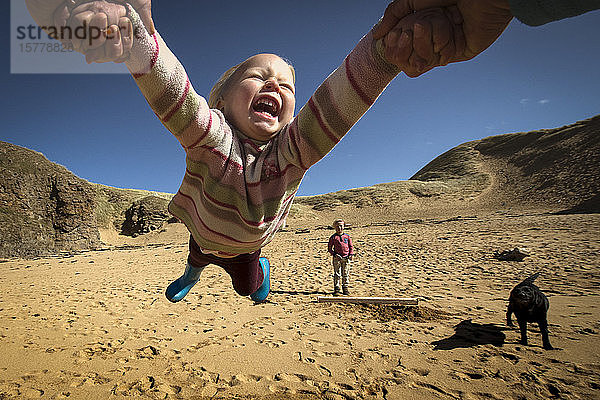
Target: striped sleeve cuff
145	47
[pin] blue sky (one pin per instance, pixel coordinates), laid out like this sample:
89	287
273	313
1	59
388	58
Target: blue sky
101	128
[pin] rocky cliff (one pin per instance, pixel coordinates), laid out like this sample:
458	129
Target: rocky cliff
44	208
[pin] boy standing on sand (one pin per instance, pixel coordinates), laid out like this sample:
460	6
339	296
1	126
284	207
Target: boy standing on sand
341	248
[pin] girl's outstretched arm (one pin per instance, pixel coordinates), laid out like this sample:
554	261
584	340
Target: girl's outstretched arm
337	104
159	74
346	95
166	86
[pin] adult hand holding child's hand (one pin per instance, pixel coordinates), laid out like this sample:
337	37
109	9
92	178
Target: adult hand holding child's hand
144	9
483	22
423	40
109	33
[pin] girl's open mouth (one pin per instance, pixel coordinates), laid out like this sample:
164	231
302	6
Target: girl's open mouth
266	105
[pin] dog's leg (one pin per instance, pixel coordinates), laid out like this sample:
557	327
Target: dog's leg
508	314
523	328
543	324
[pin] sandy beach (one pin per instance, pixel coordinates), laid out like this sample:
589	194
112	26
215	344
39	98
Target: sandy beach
96	324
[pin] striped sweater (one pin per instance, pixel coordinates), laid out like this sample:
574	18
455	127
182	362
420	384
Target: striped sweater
237	192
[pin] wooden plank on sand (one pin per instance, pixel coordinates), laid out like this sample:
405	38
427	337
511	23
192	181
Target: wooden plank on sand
405	301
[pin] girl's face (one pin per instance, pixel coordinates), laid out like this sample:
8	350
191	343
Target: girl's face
260	99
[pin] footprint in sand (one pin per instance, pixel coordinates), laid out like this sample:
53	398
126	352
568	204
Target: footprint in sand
312	387
324	370
90	379
466	375
329	353
510	357
147	352
144	387
241	379
334	396
32	393
421	371
284	377
97	349
437	389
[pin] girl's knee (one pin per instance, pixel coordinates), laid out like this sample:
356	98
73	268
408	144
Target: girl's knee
245	285
245	289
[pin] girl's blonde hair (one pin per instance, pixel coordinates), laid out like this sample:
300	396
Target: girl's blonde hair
216	93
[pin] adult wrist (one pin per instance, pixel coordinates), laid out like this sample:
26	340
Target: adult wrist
42	11
73	4
66	8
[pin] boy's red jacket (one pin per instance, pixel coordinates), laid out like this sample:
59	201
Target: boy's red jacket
340	244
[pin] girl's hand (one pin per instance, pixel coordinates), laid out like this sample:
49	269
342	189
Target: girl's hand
144	9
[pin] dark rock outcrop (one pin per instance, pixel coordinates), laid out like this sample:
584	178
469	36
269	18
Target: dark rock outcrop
44	208
145	215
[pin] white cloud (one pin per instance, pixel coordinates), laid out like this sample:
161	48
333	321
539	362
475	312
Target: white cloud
525	102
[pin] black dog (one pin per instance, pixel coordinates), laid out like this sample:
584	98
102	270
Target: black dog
529	304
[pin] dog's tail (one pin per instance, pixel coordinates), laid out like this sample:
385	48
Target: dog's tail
530	279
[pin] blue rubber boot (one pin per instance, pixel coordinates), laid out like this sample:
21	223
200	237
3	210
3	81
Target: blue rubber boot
180	287
263	291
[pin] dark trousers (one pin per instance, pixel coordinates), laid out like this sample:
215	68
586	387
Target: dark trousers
244	270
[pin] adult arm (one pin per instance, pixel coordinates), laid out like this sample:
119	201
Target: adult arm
536	12
438	34
58	14
55	16
485	20
42	11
